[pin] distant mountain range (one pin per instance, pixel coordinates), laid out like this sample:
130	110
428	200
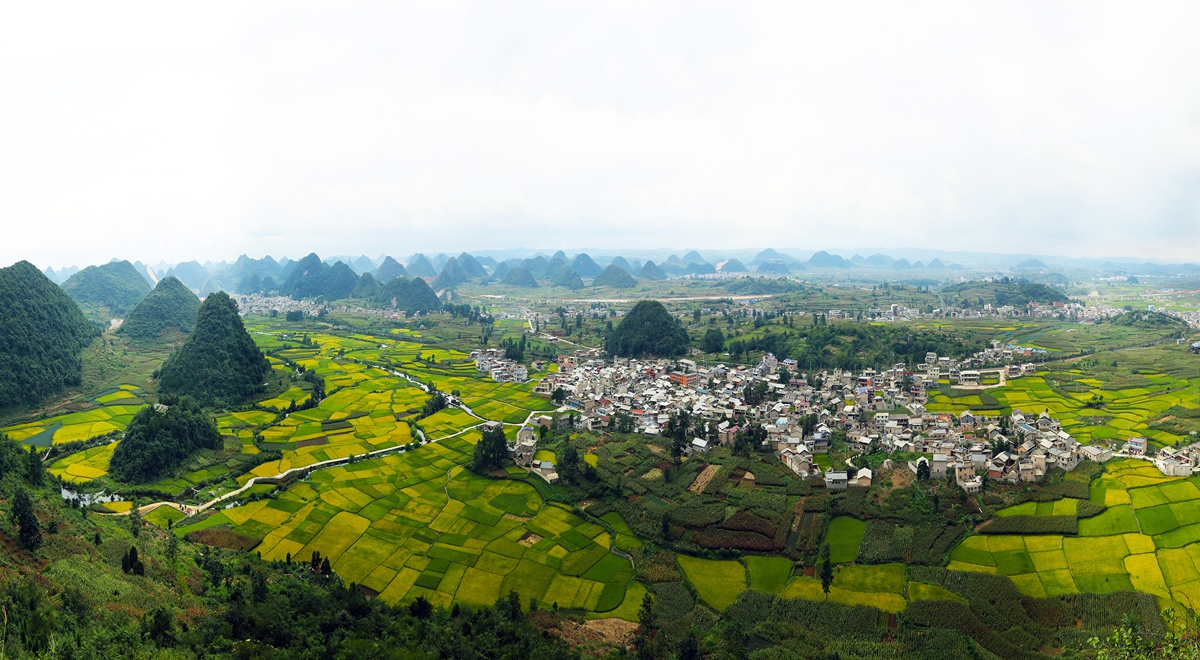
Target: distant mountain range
340	276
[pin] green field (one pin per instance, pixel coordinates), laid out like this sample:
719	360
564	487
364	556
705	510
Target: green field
418	524
718	582
1146	540
844	536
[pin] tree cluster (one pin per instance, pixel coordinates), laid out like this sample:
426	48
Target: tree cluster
155	442
42	335
219	363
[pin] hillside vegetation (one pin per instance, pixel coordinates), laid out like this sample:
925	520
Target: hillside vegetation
314	278
647	330
219	362
108	291
408	295
42	333
157	441
614	276
170	304
1004	292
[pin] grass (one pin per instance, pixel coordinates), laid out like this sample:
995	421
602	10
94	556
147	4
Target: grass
769	574
1148	540
844	536
923	591
717	582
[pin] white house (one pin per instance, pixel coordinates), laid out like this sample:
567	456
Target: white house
835	480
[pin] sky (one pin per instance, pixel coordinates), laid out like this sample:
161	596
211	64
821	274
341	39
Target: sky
176	131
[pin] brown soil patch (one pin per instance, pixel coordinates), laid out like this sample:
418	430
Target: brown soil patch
656	449
513	516
368	592
613	631
701	481
223	538
529	539
902	477
593	638
313	442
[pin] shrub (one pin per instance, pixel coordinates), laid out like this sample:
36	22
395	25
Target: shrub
758	499
714	538
1088	509
672	600
816	505
884	543
1079	490
745	521
931	543
1068	525
698	515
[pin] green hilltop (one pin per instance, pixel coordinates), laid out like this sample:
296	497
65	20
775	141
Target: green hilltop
647	330
219	362
614	276
42	334
170	304
108	291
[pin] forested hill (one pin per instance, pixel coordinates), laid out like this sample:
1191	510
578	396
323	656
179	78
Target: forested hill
170	304
108	291
314	278
408	295
647	330
1004	292
158	441
219	363
42	333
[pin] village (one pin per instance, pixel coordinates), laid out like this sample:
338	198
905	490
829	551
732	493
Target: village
804	414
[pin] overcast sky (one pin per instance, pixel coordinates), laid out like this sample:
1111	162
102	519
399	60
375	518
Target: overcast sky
205	130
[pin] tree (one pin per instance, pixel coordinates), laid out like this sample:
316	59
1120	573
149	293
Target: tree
35	471
647	330
568	462
23	516
420	608
923	471
158	441
690	649
646	611
713	341
826	570
559	395
785	376
490	451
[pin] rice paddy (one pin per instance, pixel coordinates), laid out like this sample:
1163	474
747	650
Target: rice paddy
417	523
114	412
1134	404
1146	540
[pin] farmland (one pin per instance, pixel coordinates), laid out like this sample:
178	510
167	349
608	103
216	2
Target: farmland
1146	540
417	523
1098	402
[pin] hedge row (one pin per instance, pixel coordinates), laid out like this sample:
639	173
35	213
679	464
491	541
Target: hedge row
745	521
714	538
1077	489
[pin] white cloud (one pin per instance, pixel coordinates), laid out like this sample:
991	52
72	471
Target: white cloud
156	131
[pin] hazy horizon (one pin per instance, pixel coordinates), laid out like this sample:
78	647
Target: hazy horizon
160	132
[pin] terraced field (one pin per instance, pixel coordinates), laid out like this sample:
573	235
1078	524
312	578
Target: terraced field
1146	540
1126	412
417	523
116	408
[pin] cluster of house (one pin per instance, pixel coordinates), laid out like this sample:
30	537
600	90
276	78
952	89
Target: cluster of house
255	303
523	450
882	410
491	361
